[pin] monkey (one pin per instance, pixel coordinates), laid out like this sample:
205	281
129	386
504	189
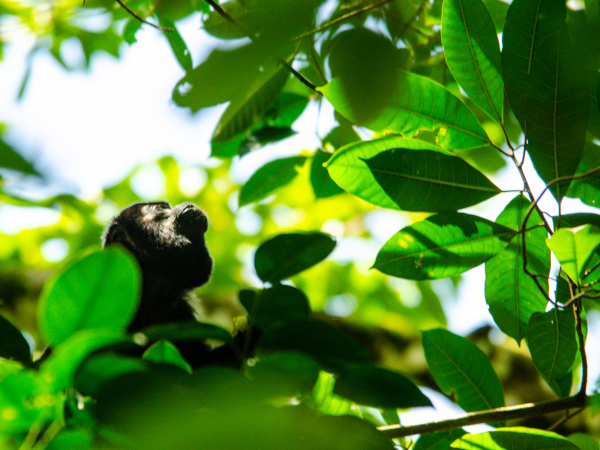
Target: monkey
169	245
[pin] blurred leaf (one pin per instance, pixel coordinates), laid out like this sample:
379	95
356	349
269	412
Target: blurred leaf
295	372
287	254
438	441
79	438
460	368
12	343
374	386
498	10
511	294
587	189
576	220
417	104
279	303
441	246
99	369
473	54
244	111
574	248
164	352
263	136
322	184
61	366
12	160
185	331
517	438
429	181
552	341
131	28
330	347
178	47
349	169
326	402
583	441
101	290
270	177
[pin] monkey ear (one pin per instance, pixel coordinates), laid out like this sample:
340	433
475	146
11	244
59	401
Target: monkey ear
117	234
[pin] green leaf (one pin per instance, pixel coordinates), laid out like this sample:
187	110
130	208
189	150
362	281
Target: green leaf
348	167
418	104
438	441
163	352
473	54
587	189
79	438
574	248
100	291
429	181
288	254
552	341
330	347
460	368
178	47
269	177
326	402
299	372
576	220
100	369
263	136
382	388
322	184
12	160
511	294
557	110
244	111
527	23
583	441
12	343
276	304
442	246
517	438
61	366
186	331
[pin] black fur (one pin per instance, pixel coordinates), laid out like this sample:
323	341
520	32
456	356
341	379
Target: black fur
170	248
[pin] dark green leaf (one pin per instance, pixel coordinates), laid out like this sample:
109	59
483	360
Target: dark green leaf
100	291
583	441
473	54
587	189
518	438
295	372
263	136
429	181
79	438
348	167
374	386
12	343
10	159
99	369
511	294
276	304
442	246
460	368
269	177
552	341
330	347
185	331
163	352
418	104
322	184
577	220
438	441
287	254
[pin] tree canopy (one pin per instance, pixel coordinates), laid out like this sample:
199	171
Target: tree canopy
339	327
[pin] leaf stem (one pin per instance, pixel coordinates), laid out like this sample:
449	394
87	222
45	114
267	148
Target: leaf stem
505	413
158	27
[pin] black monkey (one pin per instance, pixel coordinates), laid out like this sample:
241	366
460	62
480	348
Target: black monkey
170	248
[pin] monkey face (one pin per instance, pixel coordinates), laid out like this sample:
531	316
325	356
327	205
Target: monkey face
167	242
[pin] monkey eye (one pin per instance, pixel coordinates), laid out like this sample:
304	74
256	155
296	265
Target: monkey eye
162	206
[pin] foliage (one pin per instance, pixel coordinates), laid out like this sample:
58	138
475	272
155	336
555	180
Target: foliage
425	104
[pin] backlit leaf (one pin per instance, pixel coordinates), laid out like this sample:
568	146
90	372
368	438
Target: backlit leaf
511	294
473	53
460	368
517	438
574	248
587	189
417	104
430	181
442	246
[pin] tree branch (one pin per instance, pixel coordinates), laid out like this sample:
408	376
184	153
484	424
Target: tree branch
492	415
158	27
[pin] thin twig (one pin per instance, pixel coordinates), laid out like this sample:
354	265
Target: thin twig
340	19
158	27
584	365
562	420
281	61
489	416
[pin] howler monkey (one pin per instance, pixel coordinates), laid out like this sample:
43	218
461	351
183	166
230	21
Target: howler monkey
170	248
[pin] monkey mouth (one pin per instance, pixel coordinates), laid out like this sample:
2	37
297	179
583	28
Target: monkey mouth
192	220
